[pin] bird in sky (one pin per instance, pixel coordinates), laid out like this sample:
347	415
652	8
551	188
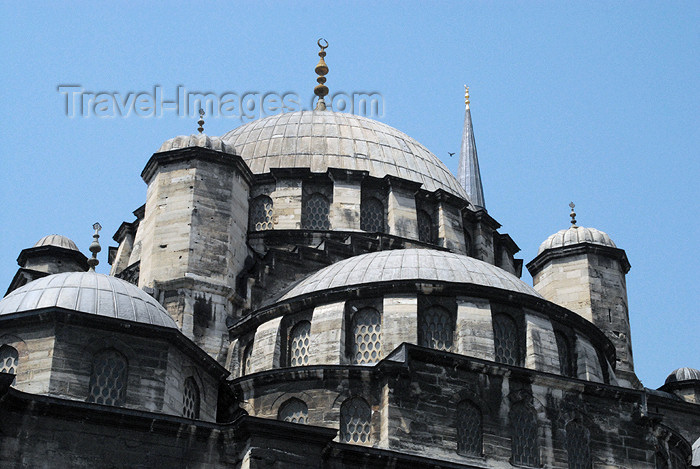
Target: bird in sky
450	153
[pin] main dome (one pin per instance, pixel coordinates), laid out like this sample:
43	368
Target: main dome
325	139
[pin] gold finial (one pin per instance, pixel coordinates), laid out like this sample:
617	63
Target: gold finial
573	215
321	89
95	247
466	96
201	121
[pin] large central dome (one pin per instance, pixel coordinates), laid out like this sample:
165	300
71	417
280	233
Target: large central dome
324	139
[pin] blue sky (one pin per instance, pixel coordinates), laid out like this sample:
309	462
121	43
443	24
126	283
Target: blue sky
595	102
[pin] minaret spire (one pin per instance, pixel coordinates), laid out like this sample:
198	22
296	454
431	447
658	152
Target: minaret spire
468	172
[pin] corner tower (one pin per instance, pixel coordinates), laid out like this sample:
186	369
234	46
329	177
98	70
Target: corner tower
583	270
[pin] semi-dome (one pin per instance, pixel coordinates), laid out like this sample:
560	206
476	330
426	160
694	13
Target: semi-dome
58	241
88	292
683	374
196	140
324	139
409	264
576	235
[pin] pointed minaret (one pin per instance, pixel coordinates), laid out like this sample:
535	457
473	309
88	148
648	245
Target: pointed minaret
468	173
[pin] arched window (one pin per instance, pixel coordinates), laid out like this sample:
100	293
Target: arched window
371	215
294	410
425	227
467	244
190	399
260	218
677	460
367	336
523	427
298	353
469	429
435	328
315	212
355	417
661	460
9	359
108	378
578	446
566	362
505	340
246	357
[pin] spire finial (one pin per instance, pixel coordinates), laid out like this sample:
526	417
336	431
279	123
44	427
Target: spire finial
321	89
573	215
95	247
201	121
466	96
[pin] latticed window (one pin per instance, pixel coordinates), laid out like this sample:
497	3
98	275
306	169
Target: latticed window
9	359
435	328
566	363
190	399
371	215
425	227
299	344
367	336
677	460
260	214
523	426
355	417
108	379
315	212
246	357
505	339
469	429
578	446
294	410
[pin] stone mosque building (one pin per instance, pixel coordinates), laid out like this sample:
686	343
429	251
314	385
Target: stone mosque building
316	290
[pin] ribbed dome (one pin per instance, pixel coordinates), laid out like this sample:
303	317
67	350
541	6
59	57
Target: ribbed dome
196	140
324	139
58	241
409	264
683	374
88	292
576	235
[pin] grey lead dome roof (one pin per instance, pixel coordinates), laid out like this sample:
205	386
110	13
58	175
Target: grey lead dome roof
196	140
325	139
57	240
683	374
88	292
576	235
409	264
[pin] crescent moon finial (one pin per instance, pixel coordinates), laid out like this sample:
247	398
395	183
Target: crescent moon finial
321	44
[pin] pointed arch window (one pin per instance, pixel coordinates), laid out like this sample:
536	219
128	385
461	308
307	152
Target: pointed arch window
246	358
578	446
469	429
435	328
108	378
372	215
9	360
425	227
190	399
566	355
505	339
298	352
315	214
524	447
355	417
367	336
294	410
261	213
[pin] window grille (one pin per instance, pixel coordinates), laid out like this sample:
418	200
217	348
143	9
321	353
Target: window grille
261	214
299	344
355	416
108	378
367	336
372	215
9	359
469	429
435	328
505	339
246	358
190	399
566	366
294	410
524	449
578	446
315	213
425	227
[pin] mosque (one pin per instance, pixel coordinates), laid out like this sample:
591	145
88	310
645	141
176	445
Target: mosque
316	290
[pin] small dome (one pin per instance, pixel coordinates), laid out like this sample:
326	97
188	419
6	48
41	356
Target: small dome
58	241
88	292
683	374
196	140
325	139
409	264
576	235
